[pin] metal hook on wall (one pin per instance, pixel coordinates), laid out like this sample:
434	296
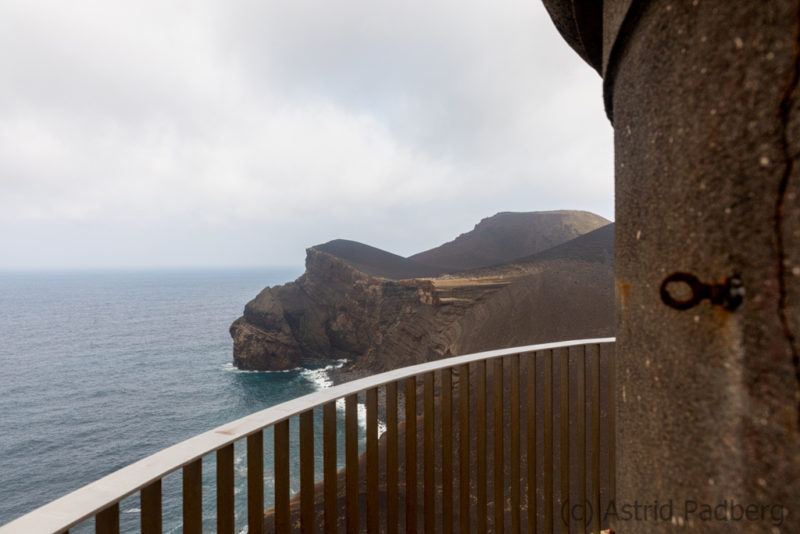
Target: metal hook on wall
728	294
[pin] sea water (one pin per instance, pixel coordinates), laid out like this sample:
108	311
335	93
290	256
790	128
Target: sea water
100	369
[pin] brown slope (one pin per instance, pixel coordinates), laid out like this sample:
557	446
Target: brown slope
376	262
560	300
508	236
564	294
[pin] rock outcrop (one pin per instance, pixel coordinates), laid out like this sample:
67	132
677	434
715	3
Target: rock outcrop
332	311
336	310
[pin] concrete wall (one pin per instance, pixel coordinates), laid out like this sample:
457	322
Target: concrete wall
704	108
704	100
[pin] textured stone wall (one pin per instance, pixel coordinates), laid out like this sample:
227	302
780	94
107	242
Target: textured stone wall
704	100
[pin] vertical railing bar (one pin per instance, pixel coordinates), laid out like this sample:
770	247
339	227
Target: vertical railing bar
351	463
411	455
255	483
151	508
515	423
464	455
581	510
307	520
531	444
612	470
548	453
107	521
480	369
594	372
429	473
447	450
329	466
392	515
499	465
564	431
193	497
226	522
372	460
282	512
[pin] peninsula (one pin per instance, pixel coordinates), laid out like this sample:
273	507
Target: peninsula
515	279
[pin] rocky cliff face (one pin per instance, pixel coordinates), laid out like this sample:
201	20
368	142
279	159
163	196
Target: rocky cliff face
337	311
332	311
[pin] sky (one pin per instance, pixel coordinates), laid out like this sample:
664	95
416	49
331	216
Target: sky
203	133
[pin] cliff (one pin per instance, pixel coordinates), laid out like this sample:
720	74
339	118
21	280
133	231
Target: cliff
337	310
333	311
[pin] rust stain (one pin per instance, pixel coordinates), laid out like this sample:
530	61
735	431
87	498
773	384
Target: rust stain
623	288
721	316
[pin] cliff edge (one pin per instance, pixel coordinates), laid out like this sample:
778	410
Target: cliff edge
381	311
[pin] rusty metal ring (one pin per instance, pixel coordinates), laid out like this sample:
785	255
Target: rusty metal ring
699	291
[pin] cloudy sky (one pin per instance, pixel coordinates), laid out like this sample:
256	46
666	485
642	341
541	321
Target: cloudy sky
173	133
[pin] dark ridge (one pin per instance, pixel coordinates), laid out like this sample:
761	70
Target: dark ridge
376	262
596	246
508	236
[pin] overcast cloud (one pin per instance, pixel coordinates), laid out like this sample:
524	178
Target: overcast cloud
239	132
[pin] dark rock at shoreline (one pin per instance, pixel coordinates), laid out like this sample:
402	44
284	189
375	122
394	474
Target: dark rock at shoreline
333	311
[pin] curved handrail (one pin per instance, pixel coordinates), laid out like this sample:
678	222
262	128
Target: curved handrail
85	502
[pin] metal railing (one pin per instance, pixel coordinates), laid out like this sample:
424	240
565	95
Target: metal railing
481	470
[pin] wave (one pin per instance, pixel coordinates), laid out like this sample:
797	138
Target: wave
321	377
362	418
233	369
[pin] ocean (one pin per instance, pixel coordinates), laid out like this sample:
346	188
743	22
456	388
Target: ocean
100	369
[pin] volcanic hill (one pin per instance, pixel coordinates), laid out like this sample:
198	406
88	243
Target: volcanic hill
515	279
508	236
